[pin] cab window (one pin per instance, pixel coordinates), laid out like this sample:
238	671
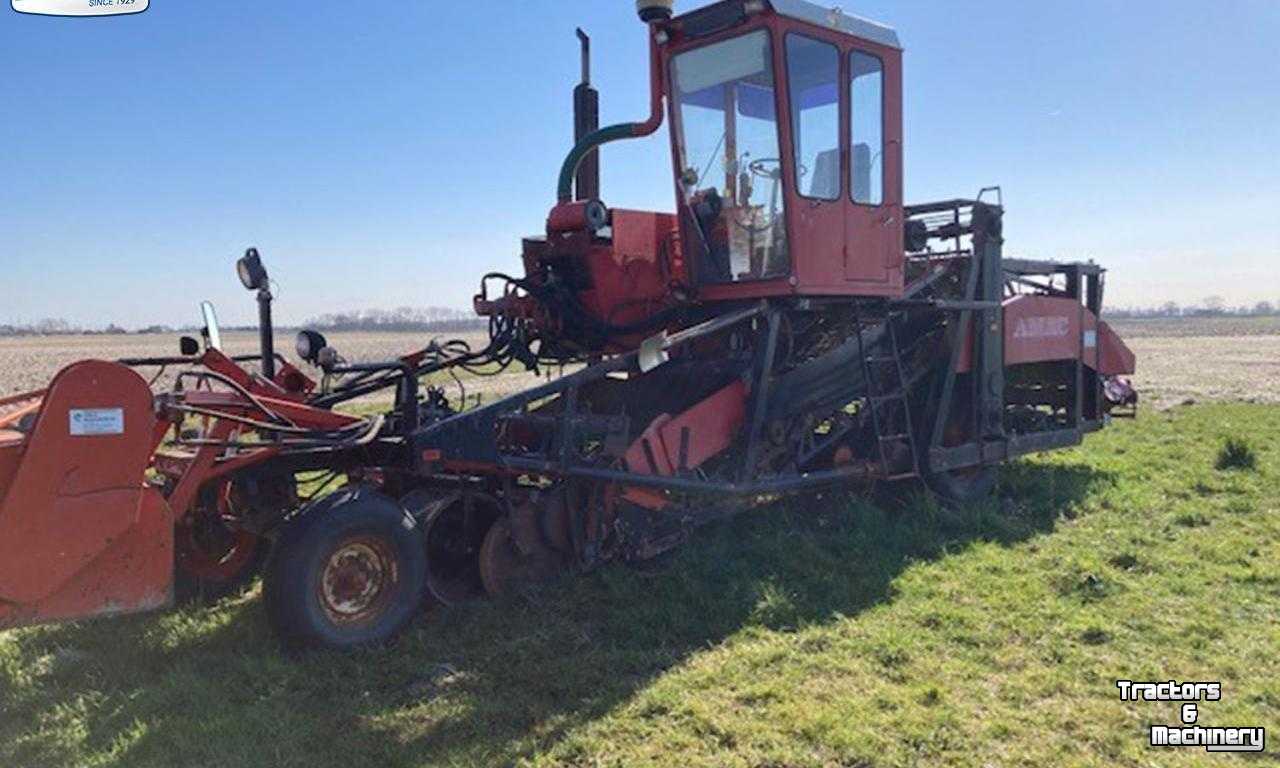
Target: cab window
726	129
866	98
813	74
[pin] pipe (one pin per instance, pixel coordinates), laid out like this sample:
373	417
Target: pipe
597	139
586	120
585	40
266	335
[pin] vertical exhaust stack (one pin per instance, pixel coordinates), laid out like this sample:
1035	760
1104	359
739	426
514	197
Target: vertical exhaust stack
586	121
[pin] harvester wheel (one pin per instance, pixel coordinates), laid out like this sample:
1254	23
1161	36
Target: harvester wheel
505	569
212	559
347	572
208	572
962	486
957	487
453	529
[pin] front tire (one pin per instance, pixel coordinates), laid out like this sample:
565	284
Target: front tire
347	572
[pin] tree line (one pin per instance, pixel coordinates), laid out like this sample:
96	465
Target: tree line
402	319
1210	306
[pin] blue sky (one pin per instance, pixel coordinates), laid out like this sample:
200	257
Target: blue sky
388	154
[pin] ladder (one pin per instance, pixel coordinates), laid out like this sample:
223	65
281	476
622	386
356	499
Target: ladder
885	398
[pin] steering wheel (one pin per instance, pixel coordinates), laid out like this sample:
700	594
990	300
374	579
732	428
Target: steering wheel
766	168
771	168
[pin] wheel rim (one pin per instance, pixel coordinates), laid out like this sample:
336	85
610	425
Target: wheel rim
358	581
211	550
454	536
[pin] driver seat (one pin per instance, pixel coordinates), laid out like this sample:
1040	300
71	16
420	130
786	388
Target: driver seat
825	184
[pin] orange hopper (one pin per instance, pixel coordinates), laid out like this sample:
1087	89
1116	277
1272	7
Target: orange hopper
81	533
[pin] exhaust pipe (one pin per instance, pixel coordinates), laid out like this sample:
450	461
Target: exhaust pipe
586	121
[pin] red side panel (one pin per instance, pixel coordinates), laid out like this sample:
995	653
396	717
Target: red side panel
1047	328
1043	328
711	426
134	573
647	455
80	535
1115	357
630	278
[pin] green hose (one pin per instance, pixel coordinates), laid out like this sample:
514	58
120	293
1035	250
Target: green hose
583	148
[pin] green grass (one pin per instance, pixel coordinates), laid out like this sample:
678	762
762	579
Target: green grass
831	633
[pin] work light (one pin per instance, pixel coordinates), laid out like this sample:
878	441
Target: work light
309	344
654	10
251	271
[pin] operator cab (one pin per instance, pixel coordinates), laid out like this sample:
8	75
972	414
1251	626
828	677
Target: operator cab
786	140
807	204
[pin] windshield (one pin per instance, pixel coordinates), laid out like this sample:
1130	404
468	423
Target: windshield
731	176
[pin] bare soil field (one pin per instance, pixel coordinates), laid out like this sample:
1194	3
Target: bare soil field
28	363
1200	327
1205	359
1201	359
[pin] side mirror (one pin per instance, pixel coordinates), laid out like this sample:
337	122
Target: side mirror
212	335
188	346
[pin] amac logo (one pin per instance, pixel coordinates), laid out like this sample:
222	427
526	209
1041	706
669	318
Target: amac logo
80	7
1041	328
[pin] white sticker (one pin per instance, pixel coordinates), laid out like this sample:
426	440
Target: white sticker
1090	339
80	7
86	422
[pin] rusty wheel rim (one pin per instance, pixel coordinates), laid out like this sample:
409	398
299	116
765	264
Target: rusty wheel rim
504	569
358	581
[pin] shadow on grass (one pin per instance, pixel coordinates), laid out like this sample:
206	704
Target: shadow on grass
493	682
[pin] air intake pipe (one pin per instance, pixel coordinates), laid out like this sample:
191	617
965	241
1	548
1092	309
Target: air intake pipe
597	139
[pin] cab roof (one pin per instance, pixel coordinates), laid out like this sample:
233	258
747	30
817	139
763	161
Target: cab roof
835	18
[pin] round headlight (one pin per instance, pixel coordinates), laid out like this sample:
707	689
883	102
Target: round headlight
252	274
308	345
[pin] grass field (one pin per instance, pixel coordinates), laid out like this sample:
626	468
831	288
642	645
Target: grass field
838	633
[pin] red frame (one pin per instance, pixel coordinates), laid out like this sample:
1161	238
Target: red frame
870	236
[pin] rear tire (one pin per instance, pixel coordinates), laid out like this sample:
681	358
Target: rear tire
347	572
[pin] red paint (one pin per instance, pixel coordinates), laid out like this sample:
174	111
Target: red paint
80	534
712	425
836	247
568	217
630	277
1041	329
1115	357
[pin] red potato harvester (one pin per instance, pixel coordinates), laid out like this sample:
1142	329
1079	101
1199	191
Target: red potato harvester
792	326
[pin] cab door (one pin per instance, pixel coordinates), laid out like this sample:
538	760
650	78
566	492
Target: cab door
873	235
816	129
